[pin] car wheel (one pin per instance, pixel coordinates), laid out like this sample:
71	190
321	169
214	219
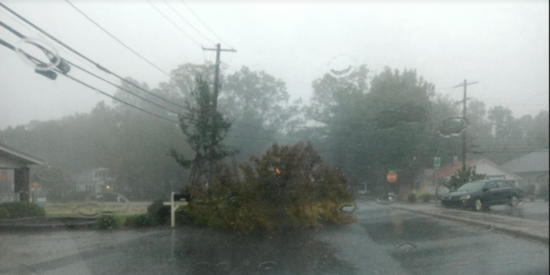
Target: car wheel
513	201
478	205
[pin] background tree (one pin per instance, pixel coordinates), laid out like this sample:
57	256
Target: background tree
204	131
258	104
462	176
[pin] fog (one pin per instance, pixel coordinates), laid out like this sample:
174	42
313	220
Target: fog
504	46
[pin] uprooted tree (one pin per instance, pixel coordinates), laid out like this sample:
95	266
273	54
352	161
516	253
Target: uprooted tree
287	188
204	129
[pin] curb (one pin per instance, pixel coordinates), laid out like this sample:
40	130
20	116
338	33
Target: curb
504	229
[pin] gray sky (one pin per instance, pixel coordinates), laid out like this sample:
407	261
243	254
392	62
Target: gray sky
504	46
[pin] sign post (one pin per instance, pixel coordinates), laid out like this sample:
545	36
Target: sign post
437	164
176	200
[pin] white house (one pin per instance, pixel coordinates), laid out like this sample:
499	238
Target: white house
94	180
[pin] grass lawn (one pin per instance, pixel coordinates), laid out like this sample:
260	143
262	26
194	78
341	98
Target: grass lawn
69	209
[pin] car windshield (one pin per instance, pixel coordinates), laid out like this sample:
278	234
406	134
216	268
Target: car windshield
273	137
472	186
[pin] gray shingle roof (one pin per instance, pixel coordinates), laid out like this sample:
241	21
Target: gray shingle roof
532	162
9	152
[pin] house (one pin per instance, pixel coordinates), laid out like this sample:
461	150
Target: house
483	166
14	174
533	169
94	180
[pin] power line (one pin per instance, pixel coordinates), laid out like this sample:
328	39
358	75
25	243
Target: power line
99	66
112	36
84	70
44	37
86	58
174	24
179	15
205	24
11	47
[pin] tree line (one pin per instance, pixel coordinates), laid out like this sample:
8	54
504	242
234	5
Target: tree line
363	123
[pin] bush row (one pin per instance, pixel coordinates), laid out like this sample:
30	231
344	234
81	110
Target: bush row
16	210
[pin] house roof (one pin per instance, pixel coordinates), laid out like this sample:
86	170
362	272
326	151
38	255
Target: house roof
14	154
532	162
449	171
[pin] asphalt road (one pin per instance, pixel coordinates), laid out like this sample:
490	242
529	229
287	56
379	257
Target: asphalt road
383	241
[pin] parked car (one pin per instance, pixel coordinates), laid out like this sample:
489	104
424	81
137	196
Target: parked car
482	194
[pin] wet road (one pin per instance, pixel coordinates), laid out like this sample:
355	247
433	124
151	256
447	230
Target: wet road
383	241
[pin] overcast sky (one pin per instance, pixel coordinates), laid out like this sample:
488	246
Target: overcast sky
504	46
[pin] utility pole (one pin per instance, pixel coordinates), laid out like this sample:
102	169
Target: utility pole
465	84
218	50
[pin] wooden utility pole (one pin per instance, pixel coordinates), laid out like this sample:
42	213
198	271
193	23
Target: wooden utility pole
218	50
464	84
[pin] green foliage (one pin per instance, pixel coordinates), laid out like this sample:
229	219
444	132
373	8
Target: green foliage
159	213
22	209
108	222
204	132
464	175
143	220
288	188
412	197
4	213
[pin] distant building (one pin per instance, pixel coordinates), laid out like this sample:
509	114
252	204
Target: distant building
94	180
533	169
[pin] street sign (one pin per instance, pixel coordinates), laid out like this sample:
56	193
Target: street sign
391	176
437	162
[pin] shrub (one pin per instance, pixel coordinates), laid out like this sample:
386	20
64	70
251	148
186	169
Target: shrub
402	196
22	209
4	214
142	220
412	197
108	222
159	212
425	197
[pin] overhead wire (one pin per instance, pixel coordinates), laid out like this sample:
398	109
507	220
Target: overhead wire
116	39
11	47
86	58
174	24
101	68
44	37
183	19
95	75
217	36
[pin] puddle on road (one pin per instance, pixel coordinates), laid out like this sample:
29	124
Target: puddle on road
202	251
410	229
226	253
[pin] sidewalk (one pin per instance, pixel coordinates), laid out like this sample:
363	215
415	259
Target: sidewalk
533	229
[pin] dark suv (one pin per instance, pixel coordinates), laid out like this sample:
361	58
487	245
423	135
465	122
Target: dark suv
482	194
